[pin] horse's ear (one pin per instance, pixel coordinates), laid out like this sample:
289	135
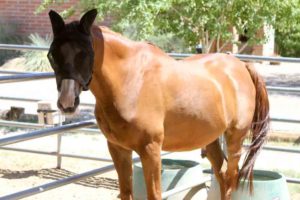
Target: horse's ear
87	20
57	22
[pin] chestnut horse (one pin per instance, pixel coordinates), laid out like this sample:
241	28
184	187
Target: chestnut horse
147	102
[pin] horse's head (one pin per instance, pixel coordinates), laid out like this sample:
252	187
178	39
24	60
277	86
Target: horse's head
71	56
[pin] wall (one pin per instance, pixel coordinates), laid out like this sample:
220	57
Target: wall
20	15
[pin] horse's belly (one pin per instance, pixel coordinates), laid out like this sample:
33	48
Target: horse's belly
184	133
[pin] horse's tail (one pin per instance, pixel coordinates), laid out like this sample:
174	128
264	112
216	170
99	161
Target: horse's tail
259	126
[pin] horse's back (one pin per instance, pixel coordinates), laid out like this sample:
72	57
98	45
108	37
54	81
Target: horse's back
233	78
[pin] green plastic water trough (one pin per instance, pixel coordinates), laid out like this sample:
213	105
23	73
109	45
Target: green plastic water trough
174	173
267	185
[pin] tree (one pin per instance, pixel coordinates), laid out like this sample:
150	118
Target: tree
288	31
206	22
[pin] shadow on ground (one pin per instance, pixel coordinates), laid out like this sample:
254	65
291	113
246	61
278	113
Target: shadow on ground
283	80
55	174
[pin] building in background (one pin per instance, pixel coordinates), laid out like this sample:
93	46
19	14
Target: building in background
18	16
266	49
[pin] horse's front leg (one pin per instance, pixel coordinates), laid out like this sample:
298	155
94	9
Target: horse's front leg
151	162
123	163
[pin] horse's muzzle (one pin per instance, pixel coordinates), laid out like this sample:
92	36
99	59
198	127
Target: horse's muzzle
68	99
68	109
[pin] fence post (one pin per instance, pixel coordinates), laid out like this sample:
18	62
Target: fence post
59	138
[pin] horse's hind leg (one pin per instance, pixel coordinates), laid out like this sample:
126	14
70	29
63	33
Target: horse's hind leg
123	163
234	141
217	159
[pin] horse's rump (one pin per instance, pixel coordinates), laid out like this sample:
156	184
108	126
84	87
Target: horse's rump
206	95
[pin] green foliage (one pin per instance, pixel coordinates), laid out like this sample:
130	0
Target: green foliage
7	37
288	44
169	42
45	3
196	21
37	60
288	32
288	36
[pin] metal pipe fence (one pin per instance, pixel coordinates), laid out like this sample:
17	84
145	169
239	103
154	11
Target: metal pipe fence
35	76
12	72
65	181
22	47
245	57
27	125
56	184
288	179
26	77
280	149
54	153
283	89
20	76
44	132
175	55
176	190
93	131
36	100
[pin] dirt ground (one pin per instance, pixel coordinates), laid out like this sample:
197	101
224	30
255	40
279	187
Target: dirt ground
20	171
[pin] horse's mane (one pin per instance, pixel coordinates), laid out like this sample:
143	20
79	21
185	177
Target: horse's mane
106	30
157	48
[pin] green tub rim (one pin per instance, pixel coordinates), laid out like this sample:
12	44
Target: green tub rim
188	164
271	175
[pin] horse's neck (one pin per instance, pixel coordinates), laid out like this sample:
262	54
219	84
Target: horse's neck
108	45
110	52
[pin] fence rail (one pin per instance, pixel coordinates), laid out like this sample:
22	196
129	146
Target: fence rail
21	76
246	57
46	75
12	72
22	47
56	184
44	132
54	153
37	100
26	77
175	55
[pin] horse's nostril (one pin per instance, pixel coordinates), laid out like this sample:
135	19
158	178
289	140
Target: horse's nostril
69	109
66	102
59	105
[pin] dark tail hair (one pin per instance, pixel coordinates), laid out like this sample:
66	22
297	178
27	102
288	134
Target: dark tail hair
259	126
